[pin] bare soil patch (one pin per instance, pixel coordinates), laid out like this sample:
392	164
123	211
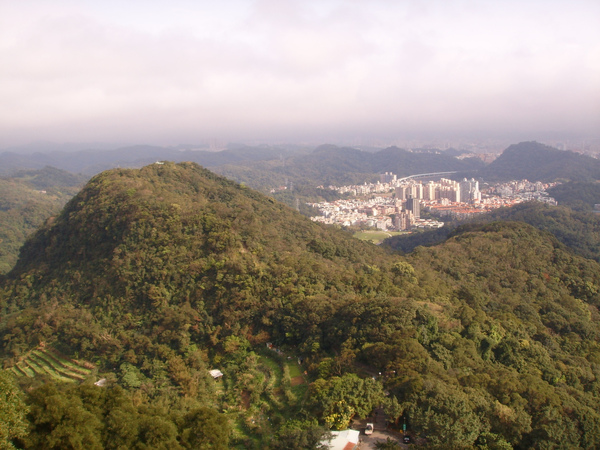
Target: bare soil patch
246	400
297	380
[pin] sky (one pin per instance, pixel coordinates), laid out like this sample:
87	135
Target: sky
169	72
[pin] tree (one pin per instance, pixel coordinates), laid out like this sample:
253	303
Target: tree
205	428
393	409
445	414
338	399
301	435
388	444
12	411
60	420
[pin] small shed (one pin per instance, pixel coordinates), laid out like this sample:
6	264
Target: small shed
216	374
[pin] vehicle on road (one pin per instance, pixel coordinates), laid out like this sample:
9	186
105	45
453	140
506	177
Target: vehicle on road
369	429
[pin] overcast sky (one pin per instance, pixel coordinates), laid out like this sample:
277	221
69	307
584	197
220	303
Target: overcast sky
167	72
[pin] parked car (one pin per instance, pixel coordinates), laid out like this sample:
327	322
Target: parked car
406	439
369	429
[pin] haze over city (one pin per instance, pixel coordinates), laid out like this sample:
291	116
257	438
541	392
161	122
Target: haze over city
165	73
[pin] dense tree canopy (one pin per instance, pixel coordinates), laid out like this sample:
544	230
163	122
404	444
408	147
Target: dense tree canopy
577	195
12	411
579	230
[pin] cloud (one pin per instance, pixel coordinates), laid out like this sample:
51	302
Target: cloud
148	71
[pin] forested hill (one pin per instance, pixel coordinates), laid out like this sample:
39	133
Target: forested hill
578	230
27	200
168	222
515	300
538	162
157	275
579	196
489	340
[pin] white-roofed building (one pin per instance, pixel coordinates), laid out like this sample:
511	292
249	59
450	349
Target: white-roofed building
216	373
343	440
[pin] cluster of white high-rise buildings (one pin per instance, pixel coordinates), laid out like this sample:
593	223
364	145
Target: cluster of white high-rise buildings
466	191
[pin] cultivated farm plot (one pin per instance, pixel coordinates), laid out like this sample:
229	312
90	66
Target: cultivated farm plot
282	387
46	362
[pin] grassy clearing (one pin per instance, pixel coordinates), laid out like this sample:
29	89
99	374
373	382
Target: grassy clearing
21	371
274	366
294	367
37	369
376	237
299	390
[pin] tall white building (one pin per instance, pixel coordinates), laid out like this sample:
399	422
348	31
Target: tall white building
429	191
469	191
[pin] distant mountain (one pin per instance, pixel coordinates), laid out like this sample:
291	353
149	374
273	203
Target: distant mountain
332	165
327	163
91	162
392	159
537	162
50	178
404	163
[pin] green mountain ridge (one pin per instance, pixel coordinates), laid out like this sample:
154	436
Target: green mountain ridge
578	230
488	340
538	162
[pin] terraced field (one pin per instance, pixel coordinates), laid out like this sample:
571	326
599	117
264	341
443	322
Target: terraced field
45	362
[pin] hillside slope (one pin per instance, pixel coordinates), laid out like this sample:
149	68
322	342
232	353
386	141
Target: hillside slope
580	231
27	199
538	162
521	326
174	236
